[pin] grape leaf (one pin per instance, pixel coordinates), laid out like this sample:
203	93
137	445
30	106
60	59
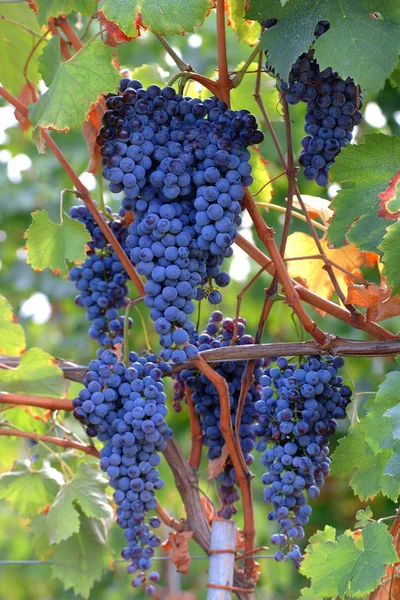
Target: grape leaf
87	489
243	94
247	31
38	537
55	8
51	245
12	335
15	46
380	305
363	171
363	517
368	47
160	16
392	468
76	85
30	491
48	62
312	272
390	247
260	177
350	565
378	427
36	375
354	456
80	560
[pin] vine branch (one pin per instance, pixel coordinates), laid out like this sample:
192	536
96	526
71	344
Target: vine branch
62	442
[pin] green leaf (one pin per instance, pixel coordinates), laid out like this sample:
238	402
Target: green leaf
317	553
12	335
148	74
160	16
354	456
378	427
390	247
48	62
55	8
38	537
15	46
29	492
308	594
243	94
363	517
87	492
77	84
363	171
368	47
392	468
247	31
348	566
80	560
52	245
36	375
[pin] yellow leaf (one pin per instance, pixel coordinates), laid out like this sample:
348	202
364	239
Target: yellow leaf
311	271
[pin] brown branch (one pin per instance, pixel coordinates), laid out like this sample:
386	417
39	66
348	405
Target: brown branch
224	82
168	520
266	235
85	195
25	400
62	442
68	30
316	301
196	433
236	456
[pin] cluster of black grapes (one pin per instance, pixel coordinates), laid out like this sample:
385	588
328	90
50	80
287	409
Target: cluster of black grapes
125	408
101	280
332	109
218	333
296	416
181	164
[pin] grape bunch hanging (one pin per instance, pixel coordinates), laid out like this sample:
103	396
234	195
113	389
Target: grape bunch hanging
333	109
181	165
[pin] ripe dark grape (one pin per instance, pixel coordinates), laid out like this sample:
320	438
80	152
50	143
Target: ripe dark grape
297	414
101	280
125	408
182	171
218	333
332	109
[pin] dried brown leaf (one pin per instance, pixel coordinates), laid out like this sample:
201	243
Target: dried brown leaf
27	95
217	465
177	545
380	304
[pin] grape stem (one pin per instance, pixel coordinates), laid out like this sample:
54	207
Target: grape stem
41	402
180	63
28	29
196	433
62	442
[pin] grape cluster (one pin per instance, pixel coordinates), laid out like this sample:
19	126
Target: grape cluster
125	407
297	414
219	333
332	109
101	280
181	164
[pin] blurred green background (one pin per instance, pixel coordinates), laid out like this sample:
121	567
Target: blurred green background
45	306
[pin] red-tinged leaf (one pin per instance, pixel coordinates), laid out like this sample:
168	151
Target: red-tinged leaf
389	207
177	545
33	6
115	35
90	129
217	465
380	305
28	95
247	31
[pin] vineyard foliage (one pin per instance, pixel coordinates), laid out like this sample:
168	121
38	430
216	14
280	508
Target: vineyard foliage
339	280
